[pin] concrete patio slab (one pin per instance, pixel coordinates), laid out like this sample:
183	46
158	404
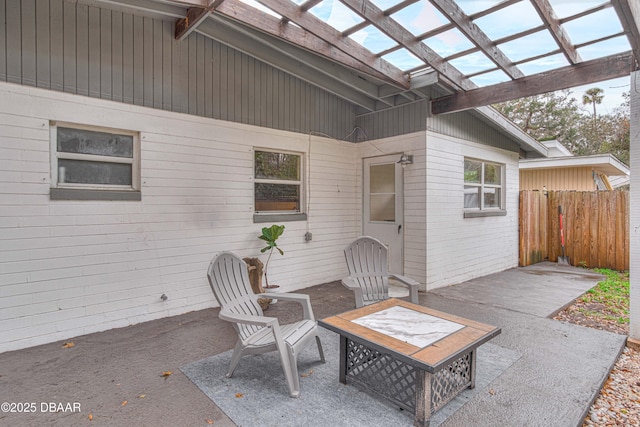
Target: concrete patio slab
116	375
541	289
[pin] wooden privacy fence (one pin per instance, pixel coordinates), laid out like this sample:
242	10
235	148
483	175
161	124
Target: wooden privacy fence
596	228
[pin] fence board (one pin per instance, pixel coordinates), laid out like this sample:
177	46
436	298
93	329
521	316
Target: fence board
596	228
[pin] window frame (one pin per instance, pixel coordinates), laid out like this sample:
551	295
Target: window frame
90	191
481	210
275	215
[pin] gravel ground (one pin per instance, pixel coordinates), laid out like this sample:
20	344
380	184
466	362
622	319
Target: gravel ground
619	401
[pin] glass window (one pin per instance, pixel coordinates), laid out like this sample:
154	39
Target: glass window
278	182
382	197
483	187
85	158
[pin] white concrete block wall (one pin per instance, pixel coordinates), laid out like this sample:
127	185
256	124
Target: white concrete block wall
74	267
634	217
459	248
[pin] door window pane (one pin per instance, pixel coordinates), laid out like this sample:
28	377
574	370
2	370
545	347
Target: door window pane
382	197
382	207
383	178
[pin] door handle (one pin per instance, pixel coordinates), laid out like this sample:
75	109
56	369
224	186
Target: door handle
399	228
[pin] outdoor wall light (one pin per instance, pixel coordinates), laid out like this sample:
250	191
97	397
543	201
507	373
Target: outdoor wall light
406	159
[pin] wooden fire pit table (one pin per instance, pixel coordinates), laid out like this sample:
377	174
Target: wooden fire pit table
416	357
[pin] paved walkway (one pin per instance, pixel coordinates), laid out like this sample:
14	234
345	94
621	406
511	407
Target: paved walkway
116	377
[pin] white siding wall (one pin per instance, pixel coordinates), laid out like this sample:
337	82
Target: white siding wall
458	248
414	196
74	267
634	209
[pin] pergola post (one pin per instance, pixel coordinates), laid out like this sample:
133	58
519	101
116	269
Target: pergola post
634	214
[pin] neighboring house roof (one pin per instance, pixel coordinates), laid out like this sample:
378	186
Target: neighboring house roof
560	157
604	163
556	149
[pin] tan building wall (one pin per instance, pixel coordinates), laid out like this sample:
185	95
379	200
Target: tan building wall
579	179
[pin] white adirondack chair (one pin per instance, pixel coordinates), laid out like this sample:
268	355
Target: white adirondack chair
257	333
368	275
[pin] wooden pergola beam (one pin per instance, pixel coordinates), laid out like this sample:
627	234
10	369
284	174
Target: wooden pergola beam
478	37
397	32
552	23
195	16
629	13
587	72
295	35
310	23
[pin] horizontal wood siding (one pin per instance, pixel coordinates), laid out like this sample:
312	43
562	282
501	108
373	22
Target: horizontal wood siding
101	53
459	248
74	267
579	179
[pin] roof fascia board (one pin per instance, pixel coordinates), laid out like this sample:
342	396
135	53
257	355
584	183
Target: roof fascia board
606	163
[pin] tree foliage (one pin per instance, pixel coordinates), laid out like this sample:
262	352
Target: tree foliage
558	115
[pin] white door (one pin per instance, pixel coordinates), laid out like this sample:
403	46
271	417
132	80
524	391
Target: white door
383	206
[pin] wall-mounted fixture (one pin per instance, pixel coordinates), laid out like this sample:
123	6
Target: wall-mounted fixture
406	159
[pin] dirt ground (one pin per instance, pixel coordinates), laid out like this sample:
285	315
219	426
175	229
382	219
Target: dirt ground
574	314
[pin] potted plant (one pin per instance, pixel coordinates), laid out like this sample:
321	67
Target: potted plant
270	235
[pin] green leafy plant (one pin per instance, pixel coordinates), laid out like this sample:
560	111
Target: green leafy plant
270	235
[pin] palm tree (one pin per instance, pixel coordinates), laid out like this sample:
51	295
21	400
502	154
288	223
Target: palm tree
593	96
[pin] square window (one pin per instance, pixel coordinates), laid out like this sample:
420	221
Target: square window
86	160
277	182
483	185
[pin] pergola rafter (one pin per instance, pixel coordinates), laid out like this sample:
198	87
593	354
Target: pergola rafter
327	33
450	9
552	23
